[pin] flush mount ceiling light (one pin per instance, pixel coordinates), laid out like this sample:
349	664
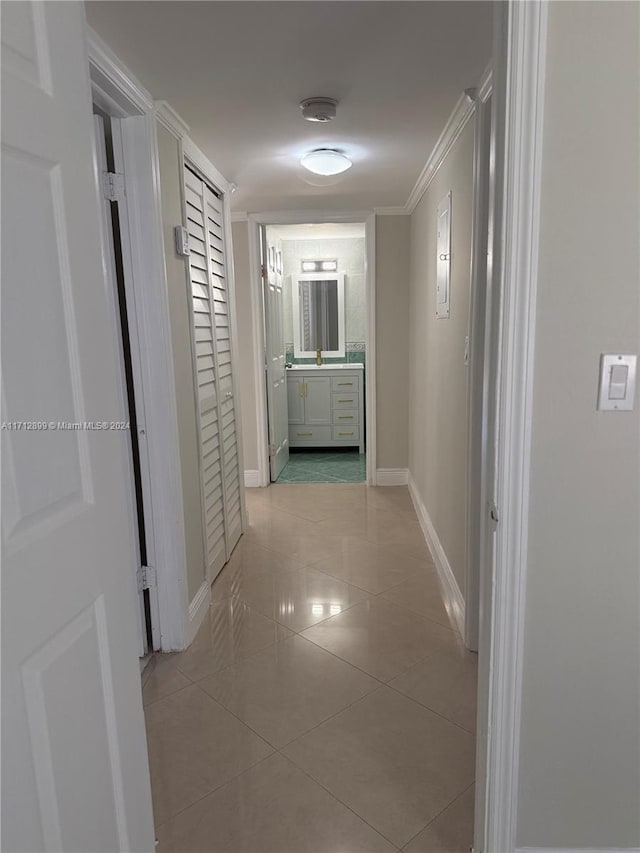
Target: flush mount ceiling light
326	161
319	109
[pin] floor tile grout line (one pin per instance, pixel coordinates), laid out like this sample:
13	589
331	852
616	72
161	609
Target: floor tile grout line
377	595
236	775
313	624
303	734
146	705
300	634
454	800
293	633
390	686
216	788
309	775
279	750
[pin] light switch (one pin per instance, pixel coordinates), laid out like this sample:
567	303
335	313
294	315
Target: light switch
618	376
617	383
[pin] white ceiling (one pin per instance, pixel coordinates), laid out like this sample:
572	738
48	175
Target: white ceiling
236	72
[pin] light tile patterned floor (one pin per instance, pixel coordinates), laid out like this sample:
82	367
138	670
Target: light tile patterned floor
325	466
327	704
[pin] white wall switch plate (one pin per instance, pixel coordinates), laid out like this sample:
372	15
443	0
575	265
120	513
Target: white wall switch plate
182	240
617	383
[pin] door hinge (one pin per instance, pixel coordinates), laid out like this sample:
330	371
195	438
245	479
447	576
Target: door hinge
272	450
146	578
263	271
494	515
113	186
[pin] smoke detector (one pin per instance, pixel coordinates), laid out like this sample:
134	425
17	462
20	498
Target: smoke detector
319	109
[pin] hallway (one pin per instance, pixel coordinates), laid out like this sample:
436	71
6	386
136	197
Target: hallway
327	704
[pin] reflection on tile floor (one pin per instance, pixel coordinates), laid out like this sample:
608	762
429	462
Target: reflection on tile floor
325	466
327	703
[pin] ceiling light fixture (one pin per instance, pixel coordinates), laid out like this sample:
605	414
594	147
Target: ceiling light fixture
326	161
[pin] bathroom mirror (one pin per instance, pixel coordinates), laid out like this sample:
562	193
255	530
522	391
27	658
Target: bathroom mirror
318	315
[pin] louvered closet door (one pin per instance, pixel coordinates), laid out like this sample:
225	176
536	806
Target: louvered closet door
212	343
222	341
206	380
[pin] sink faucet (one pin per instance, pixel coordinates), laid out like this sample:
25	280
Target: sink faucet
318	356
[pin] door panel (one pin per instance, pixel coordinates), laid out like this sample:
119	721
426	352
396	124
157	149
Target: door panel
318	400
224	368
276	357
222	500
295	400
206	383
73	743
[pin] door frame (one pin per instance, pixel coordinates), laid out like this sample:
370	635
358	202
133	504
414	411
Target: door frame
517	137
109	264
315	217
115	90
476	347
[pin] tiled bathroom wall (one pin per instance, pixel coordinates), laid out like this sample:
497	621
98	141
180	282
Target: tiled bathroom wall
349	252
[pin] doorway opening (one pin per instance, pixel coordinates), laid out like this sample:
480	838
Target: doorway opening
315	324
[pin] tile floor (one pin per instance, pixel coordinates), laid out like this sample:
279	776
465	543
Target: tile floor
325	466
327	704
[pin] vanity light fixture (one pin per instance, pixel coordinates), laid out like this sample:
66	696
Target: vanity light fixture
319	266
326	161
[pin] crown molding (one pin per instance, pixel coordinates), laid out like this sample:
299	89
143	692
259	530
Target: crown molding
114	79
458	120
462	112
485	85
239	216
201	162
169	119
391	211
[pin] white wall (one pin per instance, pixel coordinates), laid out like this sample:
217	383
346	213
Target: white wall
392	340
246	344
580	737
438	377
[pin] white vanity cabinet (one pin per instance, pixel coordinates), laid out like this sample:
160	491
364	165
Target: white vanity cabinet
326	406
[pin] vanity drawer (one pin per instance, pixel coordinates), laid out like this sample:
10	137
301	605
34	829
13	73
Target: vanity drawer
344	383
303	434
346	400
345	417
346	433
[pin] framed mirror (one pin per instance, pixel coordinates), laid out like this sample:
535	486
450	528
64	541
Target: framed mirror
318	315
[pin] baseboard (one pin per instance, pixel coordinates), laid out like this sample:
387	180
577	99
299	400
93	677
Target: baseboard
578	850
251	479
198	610
392	477
453	599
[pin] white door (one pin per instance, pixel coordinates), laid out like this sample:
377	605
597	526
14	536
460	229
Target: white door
207	390
222	308
277	406
212	329
74	762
